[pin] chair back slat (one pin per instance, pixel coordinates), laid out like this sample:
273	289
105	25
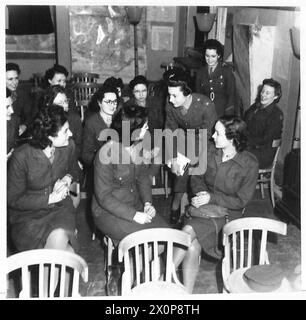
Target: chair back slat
51	265
154	242
233	236
62	283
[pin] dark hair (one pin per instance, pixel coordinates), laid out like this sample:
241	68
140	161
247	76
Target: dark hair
8	93
50	95
57	68
213	44
179	78
13	66
274	84
98	96
47	123
134	114
138	80
235	128
115	82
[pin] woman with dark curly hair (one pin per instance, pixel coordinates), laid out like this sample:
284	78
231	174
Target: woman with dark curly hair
57	95
227	185
216	79
40	210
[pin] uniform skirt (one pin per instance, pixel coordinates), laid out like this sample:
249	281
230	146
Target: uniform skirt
33	233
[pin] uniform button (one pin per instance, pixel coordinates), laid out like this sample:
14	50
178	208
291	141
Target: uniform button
210	80
132	190
221	83
211	88
198	99
120	178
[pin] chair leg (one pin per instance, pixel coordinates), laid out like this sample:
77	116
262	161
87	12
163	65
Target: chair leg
272	192
166	183
261	185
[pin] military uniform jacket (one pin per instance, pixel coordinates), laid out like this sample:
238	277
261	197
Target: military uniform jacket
200	115
219	87
231	184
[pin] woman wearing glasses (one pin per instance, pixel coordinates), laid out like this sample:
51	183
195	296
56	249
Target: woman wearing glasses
103	105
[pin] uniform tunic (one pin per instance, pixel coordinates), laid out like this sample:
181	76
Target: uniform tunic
94	124
264	125
30	180
231	184
120	191
12	129
219	87
200	115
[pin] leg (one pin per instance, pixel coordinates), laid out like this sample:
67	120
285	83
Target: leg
190	259
57	239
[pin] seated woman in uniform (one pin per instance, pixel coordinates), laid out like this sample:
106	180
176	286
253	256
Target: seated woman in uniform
57	95
227	185
264	121
40	172
122	201
216	79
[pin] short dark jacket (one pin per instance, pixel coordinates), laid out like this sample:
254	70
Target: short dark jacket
120	189
200	115
232	183
94	124
31	178
220	85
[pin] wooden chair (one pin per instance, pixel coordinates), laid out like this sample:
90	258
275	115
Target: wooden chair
165	189
140	253
85	77
242	249
38	264
266	176
83	93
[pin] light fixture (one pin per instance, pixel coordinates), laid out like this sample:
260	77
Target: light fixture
295	38
205	22
134	15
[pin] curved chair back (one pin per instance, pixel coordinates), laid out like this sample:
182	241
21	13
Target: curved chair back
245	243
266	175
60	267
140	250
87	77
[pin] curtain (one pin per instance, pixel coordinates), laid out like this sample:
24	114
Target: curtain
241	67
24	20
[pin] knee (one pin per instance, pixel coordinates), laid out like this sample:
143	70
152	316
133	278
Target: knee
188	229
195	248
57	238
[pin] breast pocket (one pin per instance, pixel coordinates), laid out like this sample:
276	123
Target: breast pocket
122	174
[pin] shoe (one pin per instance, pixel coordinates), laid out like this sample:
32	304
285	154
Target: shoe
175	216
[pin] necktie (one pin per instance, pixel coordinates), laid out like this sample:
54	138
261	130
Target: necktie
210	70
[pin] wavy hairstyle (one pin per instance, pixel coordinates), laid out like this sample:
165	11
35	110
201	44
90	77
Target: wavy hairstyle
57	68
213	44
138	80
134	114
98	96
179	78
13	66
47	123
235	128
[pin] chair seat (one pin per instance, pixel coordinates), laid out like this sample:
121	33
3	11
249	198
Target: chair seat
236	284
158	289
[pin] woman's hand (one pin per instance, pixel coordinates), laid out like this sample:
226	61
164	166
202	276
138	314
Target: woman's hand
67	179
142	217
200	199
59	193
149	209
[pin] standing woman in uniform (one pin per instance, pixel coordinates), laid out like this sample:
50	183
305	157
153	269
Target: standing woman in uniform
216	79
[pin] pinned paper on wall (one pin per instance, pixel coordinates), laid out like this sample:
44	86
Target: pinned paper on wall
162	38
161	14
